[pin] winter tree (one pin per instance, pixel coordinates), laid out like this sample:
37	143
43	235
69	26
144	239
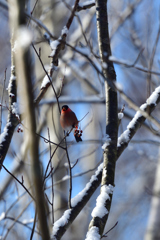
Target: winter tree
101	59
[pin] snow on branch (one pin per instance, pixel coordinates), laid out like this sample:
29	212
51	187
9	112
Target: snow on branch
46	81
6	136
120	115
93	234
107	141
5	133
59	44
100	210
138	120
78	202
56	46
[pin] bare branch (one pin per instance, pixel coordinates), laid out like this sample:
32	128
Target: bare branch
124	16
84	6
152	58
21	183
132	65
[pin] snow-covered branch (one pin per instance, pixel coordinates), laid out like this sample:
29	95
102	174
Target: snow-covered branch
78	202
56	46
138	120
12	121
83	197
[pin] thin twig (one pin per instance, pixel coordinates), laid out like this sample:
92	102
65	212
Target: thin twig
32	12
136	60
49	77
18	182
75	164
152	59
105	235
85	6
54	153
52	204
48	200
83	117
128	11
17	221
34	224
72	14
70	179
132	65
48	141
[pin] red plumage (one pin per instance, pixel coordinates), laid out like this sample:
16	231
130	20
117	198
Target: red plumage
68	120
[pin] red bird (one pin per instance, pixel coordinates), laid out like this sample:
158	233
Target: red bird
68	120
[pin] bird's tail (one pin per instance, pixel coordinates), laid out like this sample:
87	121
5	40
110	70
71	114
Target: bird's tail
78	138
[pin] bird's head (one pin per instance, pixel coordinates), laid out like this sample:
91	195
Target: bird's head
64	108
